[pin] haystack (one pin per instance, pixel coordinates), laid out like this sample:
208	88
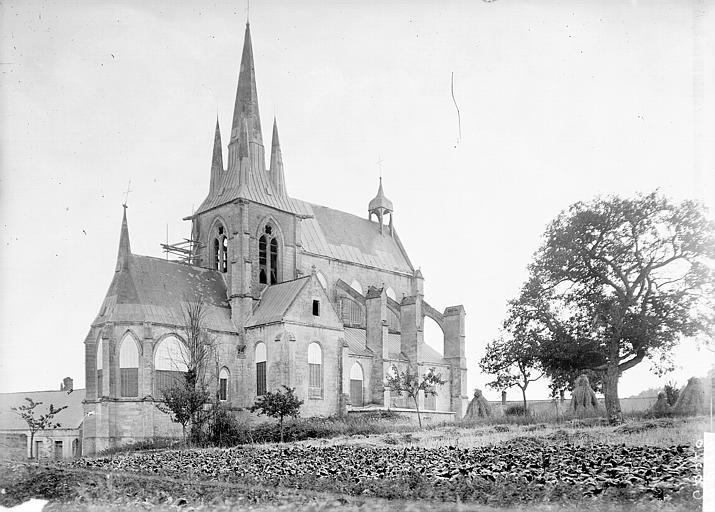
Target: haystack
478	407
694	398
660	407
582	397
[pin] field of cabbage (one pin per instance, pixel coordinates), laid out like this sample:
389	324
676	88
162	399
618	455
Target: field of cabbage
545	470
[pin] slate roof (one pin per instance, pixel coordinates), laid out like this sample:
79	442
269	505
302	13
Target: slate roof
355	338
148	289
69	418
350	238
275	301
259	190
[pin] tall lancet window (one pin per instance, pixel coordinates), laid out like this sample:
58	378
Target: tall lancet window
224	254
268	258
315	372
274	261
219	256
99	369
128	367
260	369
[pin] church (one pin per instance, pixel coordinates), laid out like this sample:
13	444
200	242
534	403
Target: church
292	293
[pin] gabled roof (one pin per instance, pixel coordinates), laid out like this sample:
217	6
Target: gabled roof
69	418
151	289
276	300
350	238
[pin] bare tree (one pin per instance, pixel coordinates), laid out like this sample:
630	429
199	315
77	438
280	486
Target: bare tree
185	401
41	422
411	384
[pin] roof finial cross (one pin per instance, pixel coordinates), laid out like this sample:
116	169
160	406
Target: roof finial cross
248	11
126	194
379	164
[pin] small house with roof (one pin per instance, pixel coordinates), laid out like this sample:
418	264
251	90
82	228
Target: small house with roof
62	442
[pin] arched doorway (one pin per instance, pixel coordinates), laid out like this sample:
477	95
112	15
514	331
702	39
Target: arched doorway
356	385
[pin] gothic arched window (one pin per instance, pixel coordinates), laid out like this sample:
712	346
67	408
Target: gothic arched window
260	369
274	261
128	367
219	256
169	364
315	371
268	262
223	384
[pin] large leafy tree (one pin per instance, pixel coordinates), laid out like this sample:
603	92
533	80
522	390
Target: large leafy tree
512	359
617	281
39	422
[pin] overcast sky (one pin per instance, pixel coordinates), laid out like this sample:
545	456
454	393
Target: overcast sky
559	102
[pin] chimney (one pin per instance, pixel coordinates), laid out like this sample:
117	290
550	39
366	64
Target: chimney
67	384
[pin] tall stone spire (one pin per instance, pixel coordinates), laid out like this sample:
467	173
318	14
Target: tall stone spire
246	106
216	162
125	250
244	162
277	176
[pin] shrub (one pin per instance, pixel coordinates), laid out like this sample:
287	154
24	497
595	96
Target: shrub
225	429
156	443
278	404
671	393
516	410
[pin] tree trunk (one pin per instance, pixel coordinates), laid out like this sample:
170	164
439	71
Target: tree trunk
523	395
417	408
610	392
32	442
281	425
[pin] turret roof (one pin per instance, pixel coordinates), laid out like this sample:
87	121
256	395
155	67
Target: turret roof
380	201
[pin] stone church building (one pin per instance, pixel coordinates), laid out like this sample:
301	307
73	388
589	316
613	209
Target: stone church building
294	293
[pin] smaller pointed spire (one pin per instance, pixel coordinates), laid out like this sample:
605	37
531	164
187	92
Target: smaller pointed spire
380	201
277	174
379	206
125	250
216	161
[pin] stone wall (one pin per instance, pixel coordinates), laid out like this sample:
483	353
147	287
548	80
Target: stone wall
13	445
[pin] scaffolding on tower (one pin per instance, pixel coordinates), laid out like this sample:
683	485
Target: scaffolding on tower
184	251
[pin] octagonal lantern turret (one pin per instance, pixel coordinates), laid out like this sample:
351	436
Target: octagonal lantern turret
380	206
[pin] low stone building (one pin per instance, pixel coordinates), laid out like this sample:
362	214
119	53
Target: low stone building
295	294
58	443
